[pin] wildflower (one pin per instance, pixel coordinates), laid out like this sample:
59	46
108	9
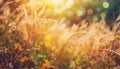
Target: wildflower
18	47
25	58
45	64
47	38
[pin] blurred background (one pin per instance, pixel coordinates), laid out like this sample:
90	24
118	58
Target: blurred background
63	34
74	11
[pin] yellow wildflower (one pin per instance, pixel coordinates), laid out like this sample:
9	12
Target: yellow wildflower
47	38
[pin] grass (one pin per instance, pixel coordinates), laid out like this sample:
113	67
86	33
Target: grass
28	39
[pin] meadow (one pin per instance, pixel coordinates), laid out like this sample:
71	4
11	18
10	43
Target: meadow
31	40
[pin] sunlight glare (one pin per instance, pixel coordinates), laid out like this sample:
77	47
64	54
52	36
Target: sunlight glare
57	2
69	3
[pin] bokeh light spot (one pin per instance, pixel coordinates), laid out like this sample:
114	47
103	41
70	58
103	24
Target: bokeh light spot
79	13
105	4
103	14
90	12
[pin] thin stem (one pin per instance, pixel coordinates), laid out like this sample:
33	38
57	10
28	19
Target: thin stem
109	50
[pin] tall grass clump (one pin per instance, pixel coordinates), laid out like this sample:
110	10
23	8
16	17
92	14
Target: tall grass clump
28	39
